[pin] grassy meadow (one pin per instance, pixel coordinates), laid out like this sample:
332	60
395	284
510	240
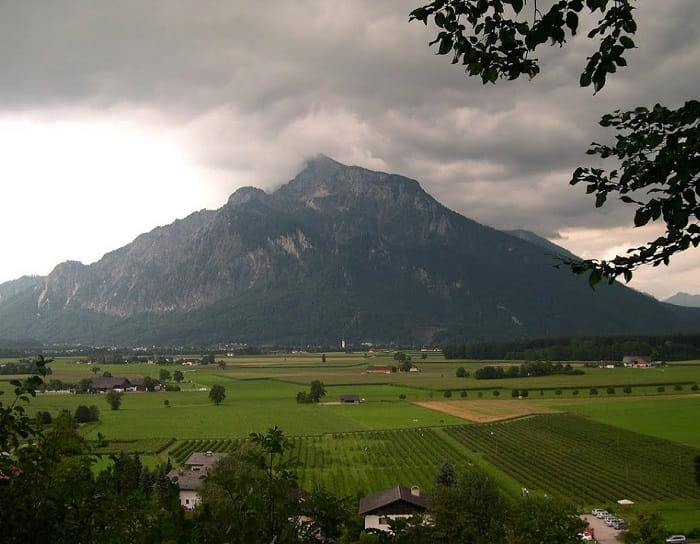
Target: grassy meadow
391	439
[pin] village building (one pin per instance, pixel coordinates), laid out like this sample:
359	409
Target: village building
390	504
189	481
351	399
636	361
380	369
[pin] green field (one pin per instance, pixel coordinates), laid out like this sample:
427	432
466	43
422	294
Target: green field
612	446
666	417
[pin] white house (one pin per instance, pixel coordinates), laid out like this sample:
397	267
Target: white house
190	481
390	504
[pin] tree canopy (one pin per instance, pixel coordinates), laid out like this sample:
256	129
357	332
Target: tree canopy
656	148
217	394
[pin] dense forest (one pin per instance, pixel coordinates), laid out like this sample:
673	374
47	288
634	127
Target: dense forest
592	348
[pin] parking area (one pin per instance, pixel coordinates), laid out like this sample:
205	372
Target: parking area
603	533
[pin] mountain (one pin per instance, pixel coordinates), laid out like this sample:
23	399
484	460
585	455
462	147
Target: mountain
337	252
551	248
685	299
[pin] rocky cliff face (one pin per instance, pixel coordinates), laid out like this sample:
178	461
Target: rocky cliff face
336	252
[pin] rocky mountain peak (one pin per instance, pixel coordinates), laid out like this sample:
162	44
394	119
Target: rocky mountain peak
245	195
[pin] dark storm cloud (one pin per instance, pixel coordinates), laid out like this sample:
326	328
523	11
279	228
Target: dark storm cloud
252	88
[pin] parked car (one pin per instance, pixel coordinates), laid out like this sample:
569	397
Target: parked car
619	524
676	539
586	537
610	520
597	511
601	514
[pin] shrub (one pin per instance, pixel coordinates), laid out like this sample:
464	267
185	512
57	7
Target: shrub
557	392
627	389
660	389
524	393
678	387
574	392
610	390
461	372
447	394
402	396
172	387
463	394
515	393
303	397
694	387
85	414
593	391
496	392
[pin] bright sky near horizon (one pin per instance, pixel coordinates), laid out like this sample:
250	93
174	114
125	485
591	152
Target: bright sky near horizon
116	118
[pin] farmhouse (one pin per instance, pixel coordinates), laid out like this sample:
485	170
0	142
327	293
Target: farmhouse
636	361
390	504
100	384
380	369
190	481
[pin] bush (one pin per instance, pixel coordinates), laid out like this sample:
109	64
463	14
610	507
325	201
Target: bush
694	387
660	389
610	390
463	394
515	393
85	414
678	387
303	397
524	393
172	387
557	392
447	394
496	392
461	372
627	389
402	396
593	391
574	392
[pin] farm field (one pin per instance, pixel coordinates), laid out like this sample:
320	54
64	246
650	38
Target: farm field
585	461
672	418
486	411
388	440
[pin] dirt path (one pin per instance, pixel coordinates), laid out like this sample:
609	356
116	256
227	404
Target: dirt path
485	411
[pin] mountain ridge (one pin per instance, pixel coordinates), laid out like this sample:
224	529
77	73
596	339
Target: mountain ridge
337	252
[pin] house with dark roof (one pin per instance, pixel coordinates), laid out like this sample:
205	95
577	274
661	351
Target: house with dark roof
101	384
396	502
350	399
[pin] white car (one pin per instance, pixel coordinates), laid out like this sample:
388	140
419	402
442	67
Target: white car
676	539
586	537
597	511
601	514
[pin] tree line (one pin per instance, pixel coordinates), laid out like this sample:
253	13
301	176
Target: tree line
590	348
526	370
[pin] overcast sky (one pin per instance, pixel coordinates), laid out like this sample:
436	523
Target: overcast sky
116	117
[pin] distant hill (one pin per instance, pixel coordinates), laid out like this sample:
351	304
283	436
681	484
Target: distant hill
337	252
685	299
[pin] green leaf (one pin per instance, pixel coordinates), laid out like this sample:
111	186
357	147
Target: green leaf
627	42
585	80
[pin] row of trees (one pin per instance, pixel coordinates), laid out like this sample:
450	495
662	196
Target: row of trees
662	348
525	370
